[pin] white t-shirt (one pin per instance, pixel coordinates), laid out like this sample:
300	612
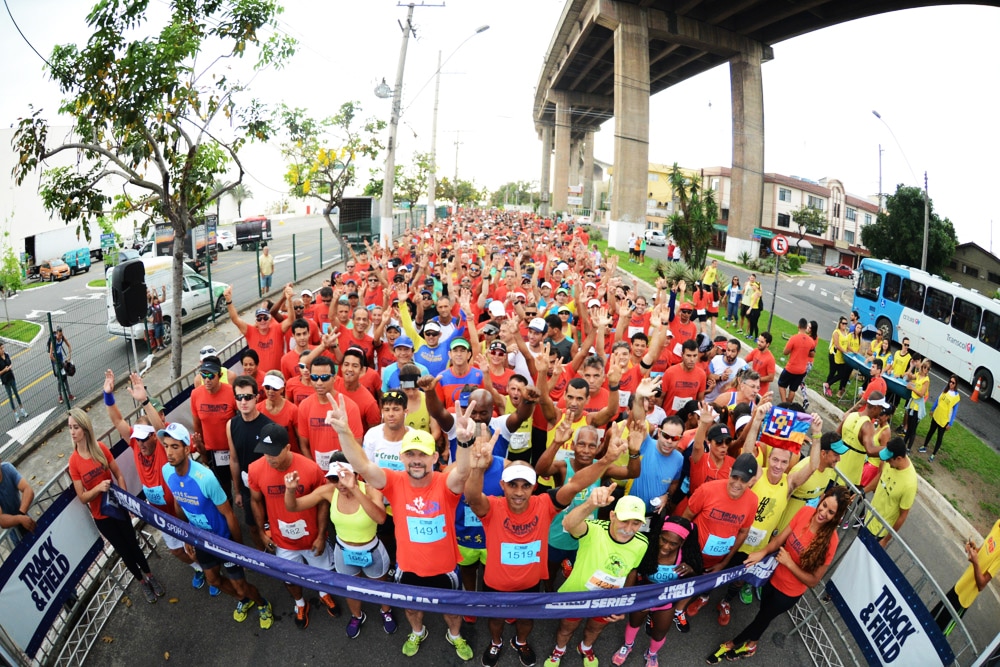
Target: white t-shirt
382	452
718	366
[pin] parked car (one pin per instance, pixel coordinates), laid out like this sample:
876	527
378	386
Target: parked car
655	237
225	239
53	270
77	260
840	270
125	254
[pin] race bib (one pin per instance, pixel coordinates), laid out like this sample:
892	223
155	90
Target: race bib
154	495
356	558
221	457
564	455
293	531
602	581
424	530
471	520
199	520
756	537
519	442
623	397
718	546
323	459
663	574
520	554
633	331
701	312
245	477
679	349
678	403
390	464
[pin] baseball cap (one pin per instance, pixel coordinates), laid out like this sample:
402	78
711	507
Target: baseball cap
877	399
498	345
262	311
393	325
211	367
306	292
272	439
460	342
546	284
832	442
337	468
175	431
742	421
591	285
273	382
594	303
496	309
157	404
629	507
418	440
491	330
539	325
562	266
895	447
719	432
432	326
207	351
745	467
142	431
686	305
519	471
403	341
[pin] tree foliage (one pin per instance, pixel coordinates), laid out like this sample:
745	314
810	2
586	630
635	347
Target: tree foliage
692	227
411	186
513	193
11	273
143	110
809	220
321	154
898	232
462	191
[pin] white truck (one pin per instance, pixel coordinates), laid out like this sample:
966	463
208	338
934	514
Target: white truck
56	242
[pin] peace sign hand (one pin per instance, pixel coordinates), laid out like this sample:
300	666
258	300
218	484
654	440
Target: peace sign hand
465	427
336	416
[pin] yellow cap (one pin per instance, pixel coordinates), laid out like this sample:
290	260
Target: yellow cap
418	440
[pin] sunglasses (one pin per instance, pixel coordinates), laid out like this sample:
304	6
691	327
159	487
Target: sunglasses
325	377
299	307
302	367
263	318
672	438
245	397
530	313
432	333
207	376
498	353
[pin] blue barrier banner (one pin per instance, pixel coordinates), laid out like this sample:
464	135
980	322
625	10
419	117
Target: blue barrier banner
888	619
498	605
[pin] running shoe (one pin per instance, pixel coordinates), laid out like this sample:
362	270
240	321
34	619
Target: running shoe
741	652
331	605
554	659
266	616
17	417
922	450
746	594
720	653
388	622
826	389
681	622
525	653
492	655
931	458
695	605
214	591
462	647
354	625
589	659
242	609
412	643
652	660
24	413
725	612
302	616
147	591
155	585
622	655
198	580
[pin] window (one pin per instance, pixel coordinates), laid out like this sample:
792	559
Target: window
869	285
725	214
784	194
654	177
970	270
938	305
868	218
815	202
784	220
965	317
892	282
913	295
953	264
715	184
849	236
989	333
993	277
836	210
834	233
196	282
852	214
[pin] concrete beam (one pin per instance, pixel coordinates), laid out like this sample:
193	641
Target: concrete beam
560	180
544	182
588	172
581	100
671	27
747	196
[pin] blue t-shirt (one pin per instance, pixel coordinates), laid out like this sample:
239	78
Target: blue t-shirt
658	471
434	359
197	494
468	527
10	497
390	375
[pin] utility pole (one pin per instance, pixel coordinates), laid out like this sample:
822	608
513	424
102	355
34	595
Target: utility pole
881	196
454	185
927	224
432	178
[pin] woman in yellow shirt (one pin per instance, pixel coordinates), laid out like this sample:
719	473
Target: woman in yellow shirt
943	414
919	385
839	369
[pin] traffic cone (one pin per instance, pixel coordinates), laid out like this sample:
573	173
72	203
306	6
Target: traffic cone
975	392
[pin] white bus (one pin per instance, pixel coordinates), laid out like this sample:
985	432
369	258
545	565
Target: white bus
956	328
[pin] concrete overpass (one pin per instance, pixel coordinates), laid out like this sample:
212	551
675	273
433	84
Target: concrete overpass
607	57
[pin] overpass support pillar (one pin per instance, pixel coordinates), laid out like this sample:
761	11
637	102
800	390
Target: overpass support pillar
560	180
628	203
574	162
544	185
747	195
587	177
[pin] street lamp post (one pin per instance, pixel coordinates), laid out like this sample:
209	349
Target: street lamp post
927	208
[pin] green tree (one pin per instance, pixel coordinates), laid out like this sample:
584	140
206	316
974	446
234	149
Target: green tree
240	194
321	154
412	184
219	187
898	232
143	105
11	273
512	193
373	188
692	226
809	220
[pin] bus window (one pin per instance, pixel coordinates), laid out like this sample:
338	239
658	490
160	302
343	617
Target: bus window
989	333
913	295
938	305
891	290
869	285
965	317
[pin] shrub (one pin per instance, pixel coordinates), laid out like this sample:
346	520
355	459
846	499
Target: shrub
795	262
745	258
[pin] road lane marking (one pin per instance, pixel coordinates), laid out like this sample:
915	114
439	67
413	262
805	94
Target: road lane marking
812	287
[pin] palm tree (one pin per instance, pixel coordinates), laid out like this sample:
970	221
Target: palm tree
240	194
218	185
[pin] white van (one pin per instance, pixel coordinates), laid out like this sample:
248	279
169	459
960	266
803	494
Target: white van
197	300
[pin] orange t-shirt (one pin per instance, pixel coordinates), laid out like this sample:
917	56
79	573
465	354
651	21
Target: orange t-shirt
289	530
214	411
150	469
371	414
763	364
269	346
719	518
520	542
797	541
323	440
424	518
90	473
680	386
290	365
288	417
798	349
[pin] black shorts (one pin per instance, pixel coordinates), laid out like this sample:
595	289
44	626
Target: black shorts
743	309
449	581
210	561
790	381
702	318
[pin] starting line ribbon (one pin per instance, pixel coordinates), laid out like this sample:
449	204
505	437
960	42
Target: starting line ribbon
498	605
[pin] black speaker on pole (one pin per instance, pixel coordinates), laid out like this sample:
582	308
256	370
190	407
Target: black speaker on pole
128	292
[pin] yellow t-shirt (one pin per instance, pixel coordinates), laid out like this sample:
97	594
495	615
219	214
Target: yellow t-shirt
711	273
897	489
989	561
771	502
420	419
852	461
900	363
807	493
920	384
520	440
853	344
946	401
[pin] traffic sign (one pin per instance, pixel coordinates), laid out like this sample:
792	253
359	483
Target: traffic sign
779	245
763	233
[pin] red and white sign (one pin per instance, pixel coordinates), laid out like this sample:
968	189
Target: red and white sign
779	245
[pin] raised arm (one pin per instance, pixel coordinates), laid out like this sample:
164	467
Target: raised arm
337	418
234	317
575	522
432	402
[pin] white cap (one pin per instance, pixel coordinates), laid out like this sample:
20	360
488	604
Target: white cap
593	302
336	467
496	309
273	381
207	351
742	421
546	284
562	266
142	431
539	325
519	471
591	285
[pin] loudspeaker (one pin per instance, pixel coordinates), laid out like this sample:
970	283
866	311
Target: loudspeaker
128	292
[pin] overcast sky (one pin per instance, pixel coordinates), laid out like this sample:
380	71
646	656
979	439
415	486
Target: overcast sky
930	72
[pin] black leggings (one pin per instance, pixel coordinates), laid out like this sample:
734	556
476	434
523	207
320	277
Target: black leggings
121	535
935	428
753	316
912	419
773	603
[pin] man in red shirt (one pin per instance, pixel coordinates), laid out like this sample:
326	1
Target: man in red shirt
359	337
301	340
762	361
800	350
349	383
213	404
715	463
266	337
317	439
684	381
683	329
876	383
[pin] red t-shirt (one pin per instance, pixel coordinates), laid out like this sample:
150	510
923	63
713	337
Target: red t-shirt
290	365
876	384
323	440
289	530
214	411
682	332
269	346
719	518
90	473
500	381
296	391
365	343
763	363
314	336
520	542
424	518
799	538
799	348
680	386
371	414
288	417
150	469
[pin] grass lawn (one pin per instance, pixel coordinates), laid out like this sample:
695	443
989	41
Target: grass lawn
39	283
19	330
100	282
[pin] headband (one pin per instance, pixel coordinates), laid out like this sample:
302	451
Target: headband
676	528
